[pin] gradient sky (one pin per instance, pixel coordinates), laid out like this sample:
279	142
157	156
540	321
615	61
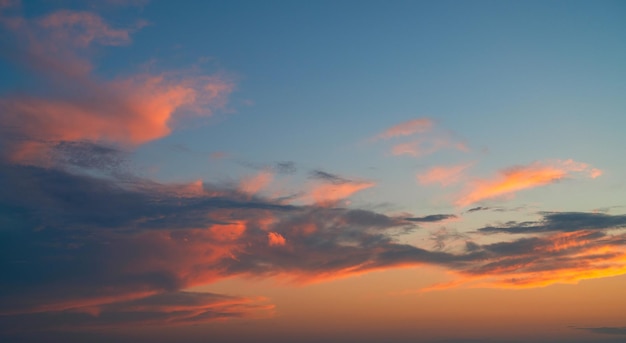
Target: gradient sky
308	171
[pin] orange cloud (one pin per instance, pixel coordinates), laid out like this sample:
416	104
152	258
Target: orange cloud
275	239
327	194
566	258
407	128
445	176
519	178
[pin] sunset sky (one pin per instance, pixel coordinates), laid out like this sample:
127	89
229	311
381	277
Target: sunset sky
312	171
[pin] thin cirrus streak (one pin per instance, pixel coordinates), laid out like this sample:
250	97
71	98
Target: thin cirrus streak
407	128
426	146
443	175
519	178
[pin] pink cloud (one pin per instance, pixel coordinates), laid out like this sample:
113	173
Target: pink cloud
127	110
407	128
256	183
426	146
443	175
515	179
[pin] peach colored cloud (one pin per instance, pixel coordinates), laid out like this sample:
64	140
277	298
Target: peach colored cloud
426	145
327	194
407	128
514	179
443	175
256	183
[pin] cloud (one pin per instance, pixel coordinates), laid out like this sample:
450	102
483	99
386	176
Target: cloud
124	240
606	330
84	245
328	177
285	167
333	188
478	208
407	128
427	141
431	218
512	180
426	146
275	239
564	257
443	175
77	105
563	222
171	308
328	194
256	183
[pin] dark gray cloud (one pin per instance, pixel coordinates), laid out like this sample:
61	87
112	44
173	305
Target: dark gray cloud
479	208
90	156
328	177
431	218
607	330
562	222
285	167
175	308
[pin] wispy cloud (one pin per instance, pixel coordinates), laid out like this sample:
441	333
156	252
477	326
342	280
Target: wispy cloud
334	188
170	308
607	330
407	128
431	218
256	183
424	137
443	175
426	146
514	179
563	222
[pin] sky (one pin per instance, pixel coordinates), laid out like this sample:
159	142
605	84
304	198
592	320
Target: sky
339	171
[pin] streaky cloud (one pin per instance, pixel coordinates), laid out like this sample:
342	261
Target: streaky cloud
563	222
606	330
514	179
431	218
407	128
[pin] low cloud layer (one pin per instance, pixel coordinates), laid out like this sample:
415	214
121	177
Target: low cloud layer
78	245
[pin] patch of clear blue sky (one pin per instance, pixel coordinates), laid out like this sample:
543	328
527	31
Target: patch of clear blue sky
527	80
